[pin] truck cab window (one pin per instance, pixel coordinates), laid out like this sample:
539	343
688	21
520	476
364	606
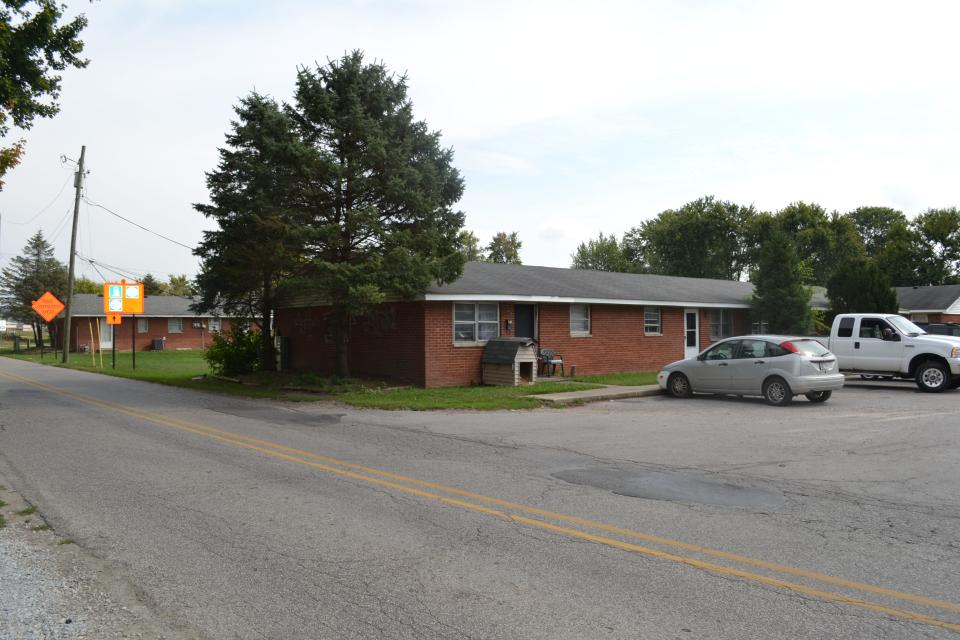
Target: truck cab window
845	330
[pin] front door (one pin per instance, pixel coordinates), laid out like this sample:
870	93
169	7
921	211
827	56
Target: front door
526	321
106	334
691	333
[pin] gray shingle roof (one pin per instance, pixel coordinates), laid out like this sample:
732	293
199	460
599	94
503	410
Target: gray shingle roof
488	279
91	304
932	298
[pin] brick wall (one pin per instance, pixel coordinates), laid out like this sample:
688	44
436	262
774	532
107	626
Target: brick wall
616	342
387	344
740	325
190	337
413	342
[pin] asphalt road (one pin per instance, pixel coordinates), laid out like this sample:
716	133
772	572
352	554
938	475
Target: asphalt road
647	518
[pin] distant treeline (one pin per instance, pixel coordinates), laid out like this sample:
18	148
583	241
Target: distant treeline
710	238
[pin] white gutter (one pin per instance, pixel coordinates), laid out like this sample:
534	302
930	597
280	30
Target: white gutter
469	297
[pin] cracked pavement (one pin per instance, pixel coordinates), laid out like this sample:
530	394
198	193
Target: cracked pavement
226	542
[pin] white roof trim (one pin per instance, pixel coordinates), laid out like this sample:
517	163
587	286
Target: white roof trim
467	297
923	311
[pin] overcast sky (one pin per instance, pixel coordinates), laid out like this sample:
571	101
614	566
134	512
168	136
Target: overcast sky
567	119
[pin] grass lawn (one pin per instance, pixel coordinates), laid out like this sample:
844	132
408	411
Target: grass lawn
178	368
482	398
632	378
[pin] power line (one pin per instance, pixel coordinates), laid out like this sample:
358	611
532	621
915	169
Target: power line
113	269
60	227
50	204
139	226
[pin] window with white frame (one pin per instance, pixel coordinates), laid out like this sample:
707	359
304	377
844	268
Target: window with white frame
919	317
579	319
651	321
720	326
214	325
175	325
143	325
475	321
760	327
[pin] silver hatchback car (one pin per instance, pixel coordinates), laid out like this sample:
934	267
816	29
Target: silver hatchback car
775	367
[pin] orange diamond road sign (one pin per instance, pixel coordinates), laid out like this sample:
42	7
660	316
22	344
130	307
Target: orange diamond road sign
122	297
48	306
113	318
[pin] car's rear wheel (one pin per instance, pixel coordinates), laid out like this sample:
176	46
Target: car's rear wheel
819	396
932	376
777	392
679	386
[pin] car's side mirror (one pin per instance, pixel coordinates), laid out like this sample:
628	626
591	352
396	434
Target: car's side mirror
702	357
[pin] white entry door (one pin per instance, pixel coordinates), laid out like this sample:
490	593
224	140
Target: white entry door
106	334
691	333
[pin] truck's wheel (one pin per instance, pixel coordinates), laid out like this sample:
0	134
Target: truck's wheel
777	392
819	396
932	377
679	386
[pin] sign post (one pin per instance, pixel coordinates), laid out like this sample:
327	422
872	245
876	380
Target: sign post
120	299
48	306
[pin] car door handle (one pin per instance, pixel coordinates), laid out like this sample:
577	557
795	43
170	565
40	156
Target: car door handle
758	362
722	364
856	345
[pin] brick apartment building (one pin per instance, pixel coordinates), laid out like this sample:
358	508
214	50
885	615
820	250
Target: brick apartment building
930	304
167	318
600	322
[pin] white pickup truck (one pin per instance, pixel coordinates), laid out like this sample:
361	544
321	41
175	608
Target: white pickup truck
890	345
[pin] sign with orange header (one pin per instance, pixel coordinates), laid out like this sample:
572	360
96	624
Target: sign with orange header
122	298
48	306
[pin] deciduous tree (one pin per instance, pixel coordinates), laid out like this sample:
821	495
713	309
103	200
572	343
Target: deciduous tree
504	248
179	286
702	239
938	231
873	224
601	254
34	45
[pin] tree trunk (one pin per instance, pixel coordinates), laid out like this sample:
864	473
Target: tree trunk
342	339
268	356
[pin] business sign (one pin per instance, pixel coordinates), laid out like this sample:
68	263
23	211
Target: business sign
48	306
122	298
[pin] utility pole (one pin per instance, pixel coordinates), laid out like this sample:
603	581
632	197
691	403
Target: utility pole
78	185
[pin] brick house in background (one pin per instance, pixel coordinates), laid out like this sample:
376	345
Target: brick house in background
601	322
939	303
167	318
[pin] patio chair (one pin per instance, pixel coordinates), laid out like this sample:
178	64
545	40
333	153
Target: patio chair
550	358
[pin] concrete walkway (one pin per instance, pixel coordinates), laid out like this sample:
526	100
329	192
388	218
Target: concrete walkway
606	392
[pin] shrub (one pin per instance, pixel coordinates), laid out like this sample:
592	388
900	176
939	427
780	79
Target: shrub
234	352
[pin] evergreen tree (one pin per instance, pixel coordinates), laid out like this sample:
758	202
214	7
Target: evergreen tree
259	243
379	192
601	254
504	248
151	285
780	299
859	286
28	277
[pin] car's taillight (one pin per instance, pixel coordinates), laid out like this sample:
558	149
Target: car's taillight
789	346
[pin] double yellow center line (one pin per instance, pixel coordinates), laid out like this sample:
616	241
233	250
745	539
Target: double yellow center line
520	513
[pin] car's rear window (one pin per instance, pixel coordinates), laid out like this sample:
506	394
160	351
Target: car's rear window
810	348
